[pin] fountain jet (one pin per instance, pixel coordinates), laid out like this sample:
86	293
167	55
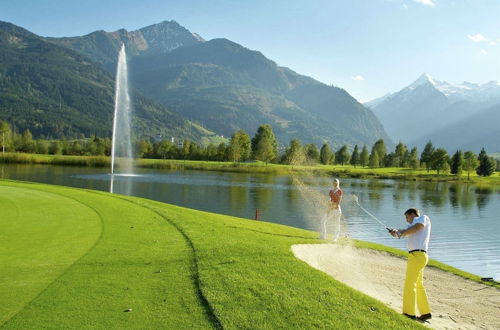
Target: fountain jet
121	148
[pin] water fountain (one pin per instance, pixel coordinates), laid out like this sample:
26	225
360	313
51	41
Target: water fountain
121	149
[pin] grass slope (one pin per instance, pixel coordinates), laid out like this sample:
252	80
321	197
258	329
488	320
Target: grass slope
216	271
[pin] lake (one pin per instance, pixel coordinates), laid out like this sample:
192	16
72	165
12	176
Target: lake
465	219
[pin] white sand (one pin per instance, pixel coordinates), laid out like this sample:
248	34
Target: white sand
456	303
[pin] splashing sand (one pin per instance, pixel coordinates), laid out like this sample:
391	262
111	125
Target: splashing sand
456	303
317	206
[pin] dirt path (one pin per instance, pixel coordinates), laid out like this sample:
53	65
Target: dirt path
456	303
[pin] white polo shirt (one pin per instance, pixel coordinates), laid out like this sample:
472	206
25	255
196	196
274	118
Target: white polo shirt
420	239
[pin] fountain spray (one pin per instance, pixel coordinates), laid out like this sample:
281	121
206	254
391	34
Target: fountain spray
121	148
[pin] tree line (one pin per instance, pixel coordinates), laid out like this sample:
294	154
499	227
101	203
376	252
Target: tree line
264	147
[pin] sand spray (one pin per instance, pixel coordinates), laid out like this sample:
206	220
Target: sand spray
317	209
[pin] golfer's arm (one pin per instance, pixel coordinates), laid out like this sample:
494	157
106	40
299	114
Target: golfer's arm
412	230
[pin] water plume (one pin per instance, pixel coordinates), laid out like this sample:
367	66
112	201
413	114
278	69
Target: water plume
121	149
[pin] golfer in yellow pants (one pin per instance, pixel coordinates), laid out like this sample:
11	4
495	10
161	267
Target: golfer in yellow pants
414	292
418	233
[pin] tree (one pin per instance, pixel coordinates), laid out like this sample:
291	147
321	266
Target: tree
457	162
355	160
221	152
374	161
56	148
380	149
364	157
143	149
186	146
27	144
5	136
413	161
486	164
439	160
342	155
163	149
194	151
426	156
239	147
326	154
400	153
294	153
312	153
264	144
391	160
42	147
100	146
265	151
470	162
211	152
76	148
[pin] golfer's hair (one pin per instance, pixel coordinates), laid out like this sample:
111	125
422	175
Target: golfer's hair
413	211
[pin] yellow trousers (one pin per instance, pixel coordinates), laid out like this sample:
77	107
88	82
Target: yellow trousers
414	292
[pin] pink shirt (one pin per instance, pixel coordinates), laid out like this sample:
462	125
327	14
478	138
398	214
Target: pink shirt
335	196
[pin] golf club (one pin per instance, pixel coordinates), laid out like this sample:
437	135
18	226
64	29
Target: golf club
371	215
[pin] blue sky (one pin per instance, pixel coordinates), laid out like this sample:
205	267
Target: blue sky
368	47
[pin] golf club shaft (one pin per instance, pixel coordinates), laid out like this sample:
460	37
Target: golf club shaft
374	217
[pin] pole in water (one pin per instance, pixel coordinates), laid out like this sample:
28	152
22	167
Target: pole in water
257	214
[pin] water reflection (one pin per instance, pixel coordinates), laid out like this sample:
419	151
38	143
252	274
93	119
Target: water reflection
482	196
121	183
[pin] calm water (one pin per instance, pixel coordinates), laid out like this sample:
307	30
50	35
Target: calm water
465	219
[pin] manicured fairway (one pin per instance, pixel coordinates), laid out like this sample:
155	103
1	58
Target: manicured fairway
75	258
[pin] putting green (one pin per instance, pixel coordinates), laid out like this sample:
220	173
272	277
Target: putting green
63	267
42	234
73	258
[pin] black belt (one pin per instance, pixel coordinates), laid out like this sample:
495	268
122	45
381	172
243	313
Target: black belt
417	251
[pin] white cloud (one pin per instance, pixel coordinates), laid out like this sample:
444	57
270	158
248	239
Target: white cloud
484	52
426	2
477	37
358	77
492	43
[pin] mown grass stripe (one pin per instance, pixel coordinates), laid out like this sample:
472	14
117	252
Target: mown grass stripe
74	261
210	313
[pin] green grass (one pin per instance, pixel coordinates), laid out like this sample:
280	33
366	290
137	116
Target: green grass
75	258
259	167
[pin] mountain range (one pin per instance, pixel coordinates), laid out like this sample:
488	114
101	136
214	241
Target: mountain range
453	116
57	92
223	86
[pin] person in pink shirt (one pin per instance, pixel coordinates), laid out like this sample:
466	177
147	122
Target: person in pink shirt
334	211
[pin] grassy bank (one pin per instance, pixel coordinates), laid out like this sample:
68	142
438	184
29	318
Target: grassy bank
258	167
74	258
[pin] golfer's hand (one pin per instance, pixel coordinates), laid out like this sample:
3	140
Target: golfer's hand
394	233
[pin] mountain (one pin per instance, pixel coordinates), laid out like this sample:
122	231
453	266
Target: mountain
103	46
224	86
428	105
56	92
480	130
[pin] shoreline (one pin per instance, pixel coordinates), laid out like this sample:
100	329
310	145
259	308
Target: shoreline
341	171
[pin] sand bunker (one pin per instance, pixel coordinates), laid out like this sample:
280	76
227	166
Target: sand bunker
456	303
